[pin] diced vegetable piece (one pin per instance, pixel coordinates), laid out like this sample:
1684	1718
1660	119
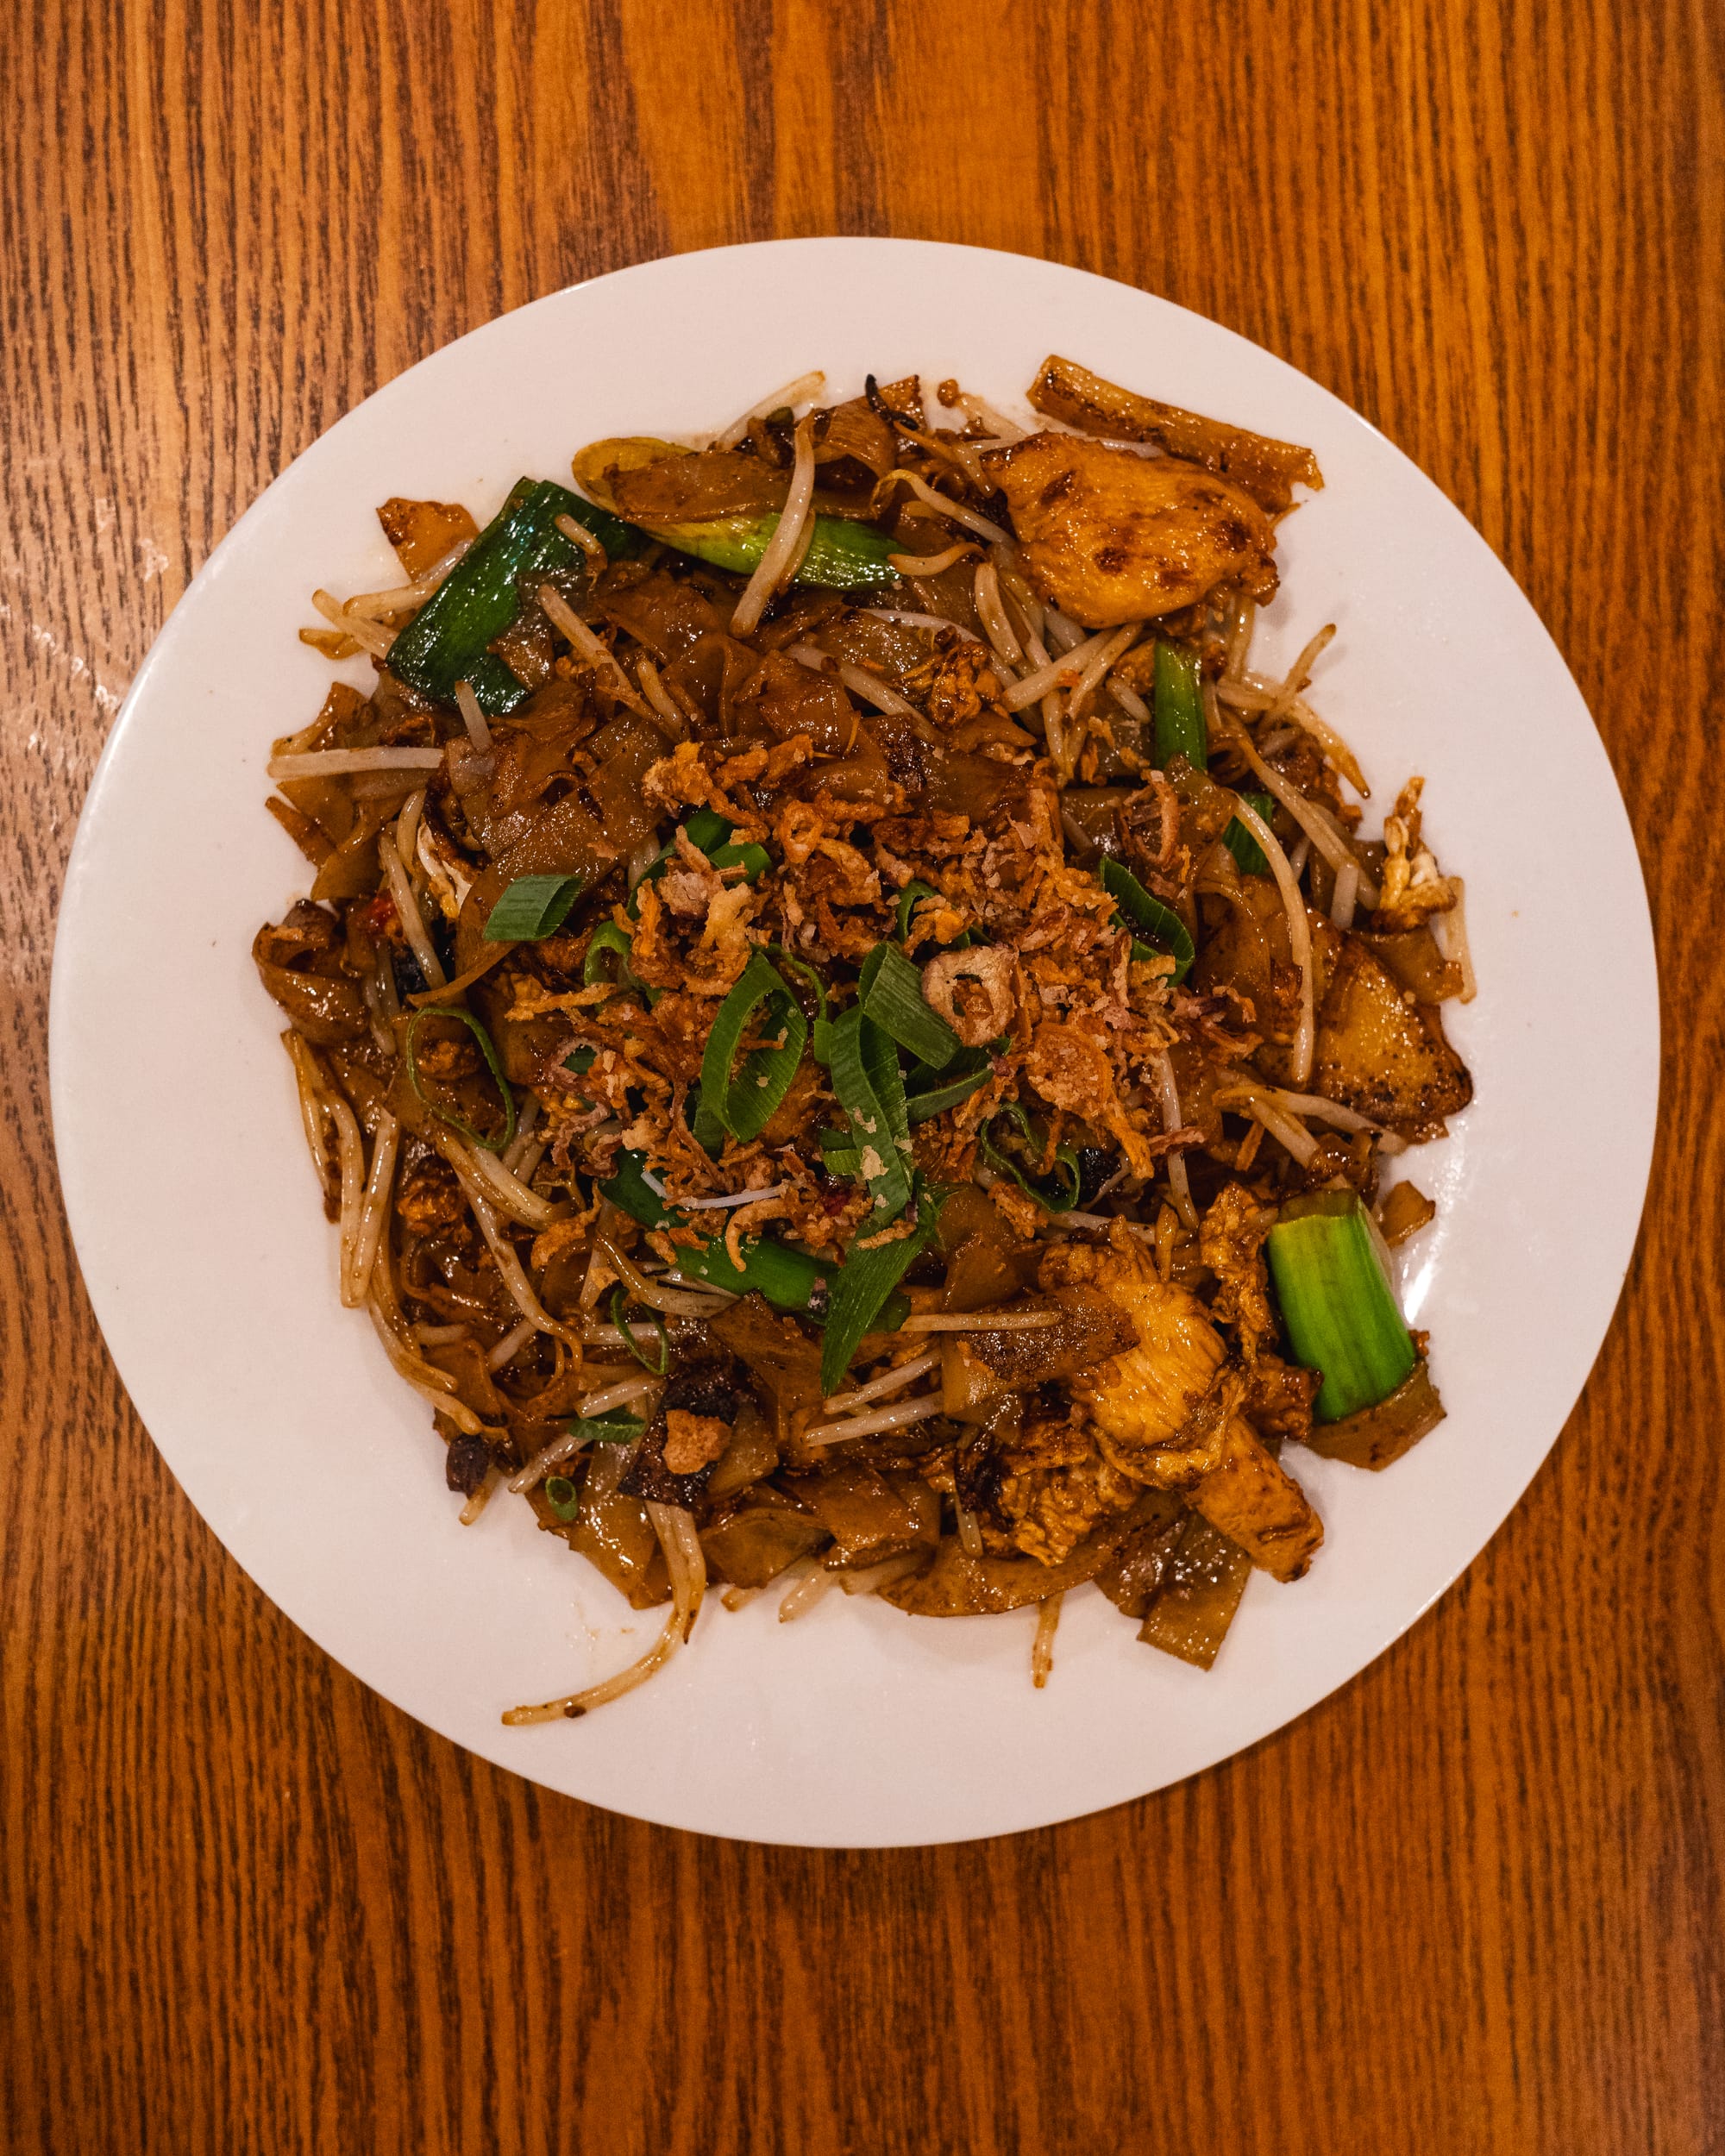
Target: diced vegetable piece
618	1427
1247	853
1179	708
890	993
1337	1302
1377	1436
1160	924
448	639
532	907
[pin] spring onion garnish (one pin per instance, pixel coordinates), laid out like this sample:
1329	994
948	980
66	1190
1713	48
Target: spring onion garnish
709	833
562	1497
922	1100
607	957
863	1063
1179	709
1160	926
909	898
533	906
450	639
818	1031
788	1279
890	992
447	1115
1337	1302
1247	853
616	1426
654	1366
842	555
862	1290
742	1106
1069	1176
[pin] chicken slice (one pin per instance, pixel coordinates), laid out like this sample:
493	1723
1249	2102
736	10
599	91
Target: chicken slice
1256	1503
1111	536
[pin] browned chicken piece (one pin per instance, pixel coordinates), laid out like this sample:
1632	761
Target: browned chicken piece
1111	536
1231	1243
1054	1487
1383	1055
1279	1402
1145	1401
1256	1503
1266	468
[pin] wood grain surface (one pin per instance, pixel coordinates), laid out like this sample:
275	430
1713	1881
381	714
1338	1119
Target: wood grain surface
1475	1902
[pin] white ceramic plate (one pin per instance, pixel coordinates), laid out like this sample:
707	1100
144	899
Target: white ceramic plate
213	1273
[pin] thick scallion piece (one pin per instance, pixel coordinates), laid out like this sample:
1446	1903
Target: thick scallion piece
743	1104
1062	1194
491	1144
1179	709
1337	1302
889	991
562	1497
863	1063
709	833
842	555
863	1287
790	1279
1247	853
922	1101
655	1365
1158	924
450	639
818	1041
533	906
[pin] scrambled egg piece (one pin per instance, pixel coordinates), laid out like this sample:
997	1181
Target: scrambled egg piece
1111	536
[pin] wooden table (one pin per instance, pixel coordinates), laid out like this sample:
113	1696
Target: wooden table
1476	1902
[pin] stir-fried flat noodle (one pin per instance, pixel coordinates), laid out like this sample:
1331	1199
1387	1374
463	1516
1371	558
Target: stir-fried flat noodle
829	973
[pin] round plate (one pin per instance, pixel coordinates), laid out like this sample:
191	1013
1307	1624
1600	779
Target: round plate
213	1273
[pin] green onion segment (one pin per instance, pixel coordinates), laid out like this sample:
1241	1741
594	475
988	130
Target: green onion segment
1247	853
562	1497
1161	926
863	1286
1179	709
923	1100
450	639
618	1427
742	1106
790	1279
1337	1302
1069	1176
844	556
863	1064
533	906
658	1367
447	1115
889	991
608	942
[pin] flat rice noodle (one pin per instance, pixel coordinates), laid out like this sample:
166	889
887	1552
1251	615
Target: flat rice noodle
755	1545
617	1534
1267	469
751	1456
1381	1057
1206	809
712	674
663	613
976	786
648	1476
1091	1328
630	746
1377	1436
892	650
421	533
867	1516
988	1262
1095	811
1198	1593
1256	1503
1133	1575
1245	946
327	1009
523	1044
464	1361
695	489
784	698
328	802
957	1585
1412	959
344	714
784	1361
952	593
856	435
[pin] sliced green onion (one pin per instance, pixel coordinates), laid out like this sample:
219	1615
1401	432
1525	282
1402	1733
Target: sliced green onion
580	1060
843	554
705	828
745	1104
631	1193
863	1286
608	942
618	1427
925	1101
450	639
818	1032
1337	1302
889	991
840	1155
447	1115
654	1368
533	906
1069	1175
790	1279
864	1066
562	1497
1162	926
1247	853
909	898
709	834
1179	707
